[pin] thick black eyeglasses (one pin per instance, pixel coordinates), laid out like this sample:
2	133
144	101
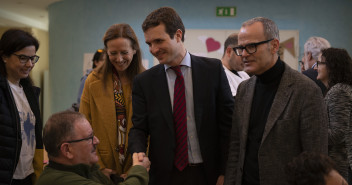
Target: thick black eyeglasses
320	63
78	140
24	58
250	48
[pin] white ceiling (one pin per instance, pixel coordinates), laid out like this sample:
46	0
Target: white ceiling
25	13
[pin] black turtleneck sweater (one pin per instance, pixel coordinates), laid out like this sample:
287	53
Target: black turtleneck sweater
265	89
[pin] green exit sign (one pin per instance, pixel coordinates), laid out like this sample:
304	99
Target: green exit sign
226	11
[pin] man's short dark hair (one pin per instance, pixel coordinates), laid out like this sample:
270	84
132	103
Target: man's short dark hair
58	128
167	16
309	169
231	40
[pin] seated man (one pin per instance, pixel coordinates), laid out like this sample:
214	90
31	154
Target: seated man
71	146
313	169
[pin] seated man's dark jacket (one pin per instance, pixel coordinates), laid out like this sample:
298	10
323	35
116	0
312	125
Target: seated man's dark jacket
82	174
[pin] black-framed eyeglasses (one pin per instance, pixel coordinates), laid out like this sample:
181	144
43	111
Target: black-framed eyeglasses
320	63
24	58
250	48
79	140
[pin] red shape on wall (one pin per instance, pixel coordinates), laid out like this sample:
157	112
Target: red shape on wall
212	45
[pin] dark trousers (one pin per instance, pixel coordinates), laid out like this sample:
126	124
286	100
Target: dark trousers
25	181
191	175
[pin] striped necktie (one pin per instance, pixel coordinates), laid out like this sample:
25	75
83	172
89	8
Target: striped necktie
180	120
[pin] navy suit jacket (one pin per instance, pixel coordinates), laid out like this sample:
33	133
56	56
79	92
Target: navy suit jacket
312	74
152	116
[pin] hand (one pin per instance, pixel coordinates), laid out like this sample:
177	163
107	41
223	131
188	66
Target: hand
123	175
140	155
220	180
141	159
107	172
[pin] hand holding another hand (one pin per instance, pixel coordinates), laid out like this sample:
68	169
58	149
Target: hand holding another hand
107	172
141	159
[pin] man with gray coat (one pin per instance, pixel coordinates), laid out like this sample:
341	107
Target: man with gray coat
278	112
312	50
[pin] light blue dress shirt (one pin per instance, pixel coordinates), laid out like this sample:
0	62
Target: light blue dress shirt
194	154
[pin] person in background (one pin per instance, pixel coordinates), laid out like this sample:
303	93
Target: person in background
335	71
71	146
107	98
310	168
312	50
233	64
301	64
278	113
21	147
184	105
98	60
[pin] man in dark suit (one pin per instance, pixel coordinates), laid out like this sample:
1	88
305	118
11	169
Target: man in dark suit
278	112
312	50
188	145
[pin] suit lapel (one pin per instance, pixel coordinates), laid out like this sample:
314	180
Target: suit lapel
199	92
281	99
247	105
161	91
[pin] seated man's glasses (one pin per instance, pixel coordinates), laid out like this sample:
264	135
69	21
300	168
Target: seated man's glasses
78	140
24	58
250	48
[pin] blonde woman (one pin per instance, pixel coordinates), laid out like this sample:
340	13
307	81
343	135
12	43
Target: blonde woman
106	99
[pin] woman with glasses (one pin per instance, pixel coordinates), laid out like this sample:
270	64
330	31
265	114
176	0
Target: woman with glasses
335	71
107	98
21	147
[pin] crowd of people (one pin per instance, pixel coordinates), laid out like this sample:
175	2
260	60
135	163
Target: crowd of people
247	119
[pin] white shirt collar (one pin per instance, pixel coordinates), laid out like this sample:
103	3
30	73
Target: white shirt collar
186	61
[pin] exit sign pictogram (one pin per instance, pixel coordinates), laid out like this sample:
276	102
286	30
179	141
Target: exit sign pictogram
226	11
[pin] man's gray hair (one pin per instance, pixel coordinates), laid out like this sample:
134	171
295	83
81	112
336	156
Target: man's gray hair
314	45
271	31
58	128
